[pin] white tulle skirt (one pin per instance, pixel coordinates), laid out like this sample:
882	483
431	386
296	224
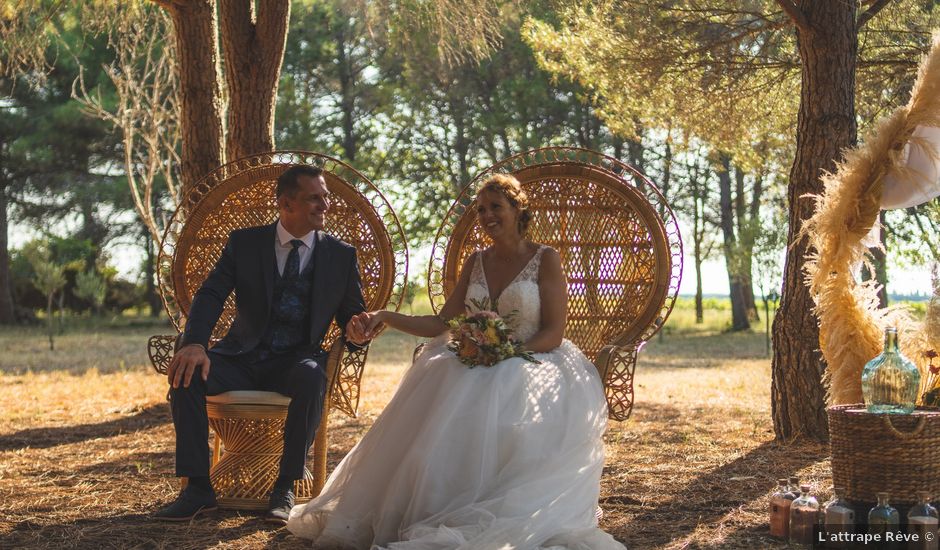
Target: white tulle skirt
505	457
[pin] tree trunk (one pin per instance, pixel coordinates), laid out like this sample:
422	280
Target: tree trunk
617	144
253	43
739	317
7	315
698	235
50	322
347	94
196	31
828	45
699	305
881	262
746	236
757	192
153	297
62	309
665	183
878	260
461	145
635	149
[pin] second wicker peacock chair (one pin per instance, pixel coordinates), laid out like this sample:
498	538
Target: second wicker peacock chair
619	244
249	425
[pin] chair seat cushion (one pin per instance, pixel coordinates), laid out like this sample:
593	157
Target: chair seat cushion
248	397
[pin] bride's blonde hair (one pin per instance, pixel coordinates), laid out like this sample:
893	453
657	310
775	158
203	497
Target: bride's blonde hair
510	188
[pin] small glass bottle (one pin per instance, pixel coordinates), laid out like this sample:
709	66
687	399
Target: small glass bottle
839	520
921	519
890	382
794	486
804	513
881	519
780	510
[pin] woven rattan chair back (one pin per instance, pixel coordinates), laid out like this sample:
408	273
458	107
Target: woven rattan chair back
618	241
242	196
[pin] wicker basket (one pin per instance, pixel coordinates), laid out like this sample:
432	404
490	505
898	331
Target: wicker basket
897	454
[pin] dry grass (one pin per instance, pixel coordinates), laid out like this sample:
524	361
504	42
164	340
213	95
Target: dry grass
86	446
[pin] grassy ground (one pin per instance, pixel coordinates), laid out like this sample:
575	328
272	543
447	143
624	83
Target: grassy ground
86	444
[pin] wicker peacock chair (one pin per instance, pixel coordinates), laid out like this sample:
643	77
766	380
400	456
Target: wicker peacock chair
619	244
249	425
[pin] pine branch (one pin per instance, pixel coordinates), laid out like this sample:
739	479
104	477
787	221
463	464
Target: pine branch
871	12
796	15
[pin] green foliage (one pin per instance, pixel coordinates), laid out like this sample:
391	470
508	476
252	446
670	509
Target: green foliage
48	275
728	74
91	287
24	36
48	278
55	159
415	119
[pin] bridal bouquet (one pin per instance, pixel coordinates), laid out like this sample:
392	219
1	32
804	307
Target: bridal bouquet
484	338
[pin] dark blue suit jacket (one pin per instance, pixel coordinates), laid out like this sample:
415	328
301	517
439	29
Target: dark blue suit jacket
247	266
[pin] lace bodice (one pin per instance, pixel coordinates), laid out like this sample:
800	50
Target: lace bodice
520	298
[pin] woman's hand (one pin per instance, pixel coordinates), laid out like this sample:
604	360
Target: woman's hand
376	320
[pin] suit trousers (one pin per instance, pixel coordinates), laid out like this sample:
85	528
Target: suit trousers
296	375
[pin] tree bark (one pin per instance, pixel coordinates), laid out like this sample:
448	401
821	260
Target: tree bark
254	51
828	45
7	315
699	299
881	262
347	93
745	224
196	31
757	192
461	143
635	150
698	235
739	317
153	297
50	323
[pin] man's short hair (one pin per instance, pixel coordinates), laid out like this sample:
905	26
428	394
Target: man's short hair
287	182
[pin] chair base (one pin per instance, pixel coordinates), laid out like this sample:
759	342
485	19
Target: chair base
251	434
234	503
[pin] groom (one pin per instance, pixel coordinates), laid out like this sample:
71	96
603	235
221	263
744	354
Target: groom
290	280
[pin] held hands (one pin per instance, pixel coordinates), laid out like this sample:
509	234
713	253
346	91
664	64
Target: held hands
375	322
364	327
185	362
356	329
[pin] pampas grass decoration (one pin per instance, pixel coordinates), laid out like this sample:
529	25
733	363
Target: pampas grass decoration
850	321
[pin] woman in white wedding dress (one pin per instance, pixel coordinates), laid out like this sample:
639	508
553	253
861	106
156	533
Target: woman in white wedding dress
501	457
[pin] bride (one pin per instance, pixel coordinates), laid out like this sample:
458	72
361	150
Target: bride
505	457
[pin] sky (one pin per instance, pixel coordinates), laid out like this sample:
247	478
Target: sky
902	280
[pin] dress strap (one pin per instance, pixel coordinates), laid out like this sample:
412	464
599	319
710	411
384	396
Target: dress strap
476	272
531	271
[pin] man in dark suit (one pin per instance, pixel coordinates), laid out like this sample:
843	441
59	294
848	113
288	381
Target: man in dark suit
290	280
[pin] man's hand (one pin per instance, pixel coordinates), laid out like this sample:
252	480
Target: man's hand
356	329
375	322
185	362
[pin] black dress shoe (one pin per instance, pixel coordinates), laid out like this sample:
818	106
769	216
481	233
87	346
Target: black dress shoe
190	503
279	506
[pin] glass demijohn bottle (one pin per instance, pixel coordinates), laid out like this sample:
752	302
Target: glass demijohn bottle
890	381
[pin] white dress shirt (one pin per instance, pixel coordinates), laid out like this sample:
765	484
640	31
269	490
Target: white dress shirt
282	247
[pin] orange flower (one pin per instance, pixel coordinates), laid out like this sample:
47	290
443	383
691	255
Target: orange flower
468	349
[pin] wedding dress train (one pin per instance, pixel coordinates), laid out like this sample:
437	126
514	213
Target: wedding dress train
502	457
